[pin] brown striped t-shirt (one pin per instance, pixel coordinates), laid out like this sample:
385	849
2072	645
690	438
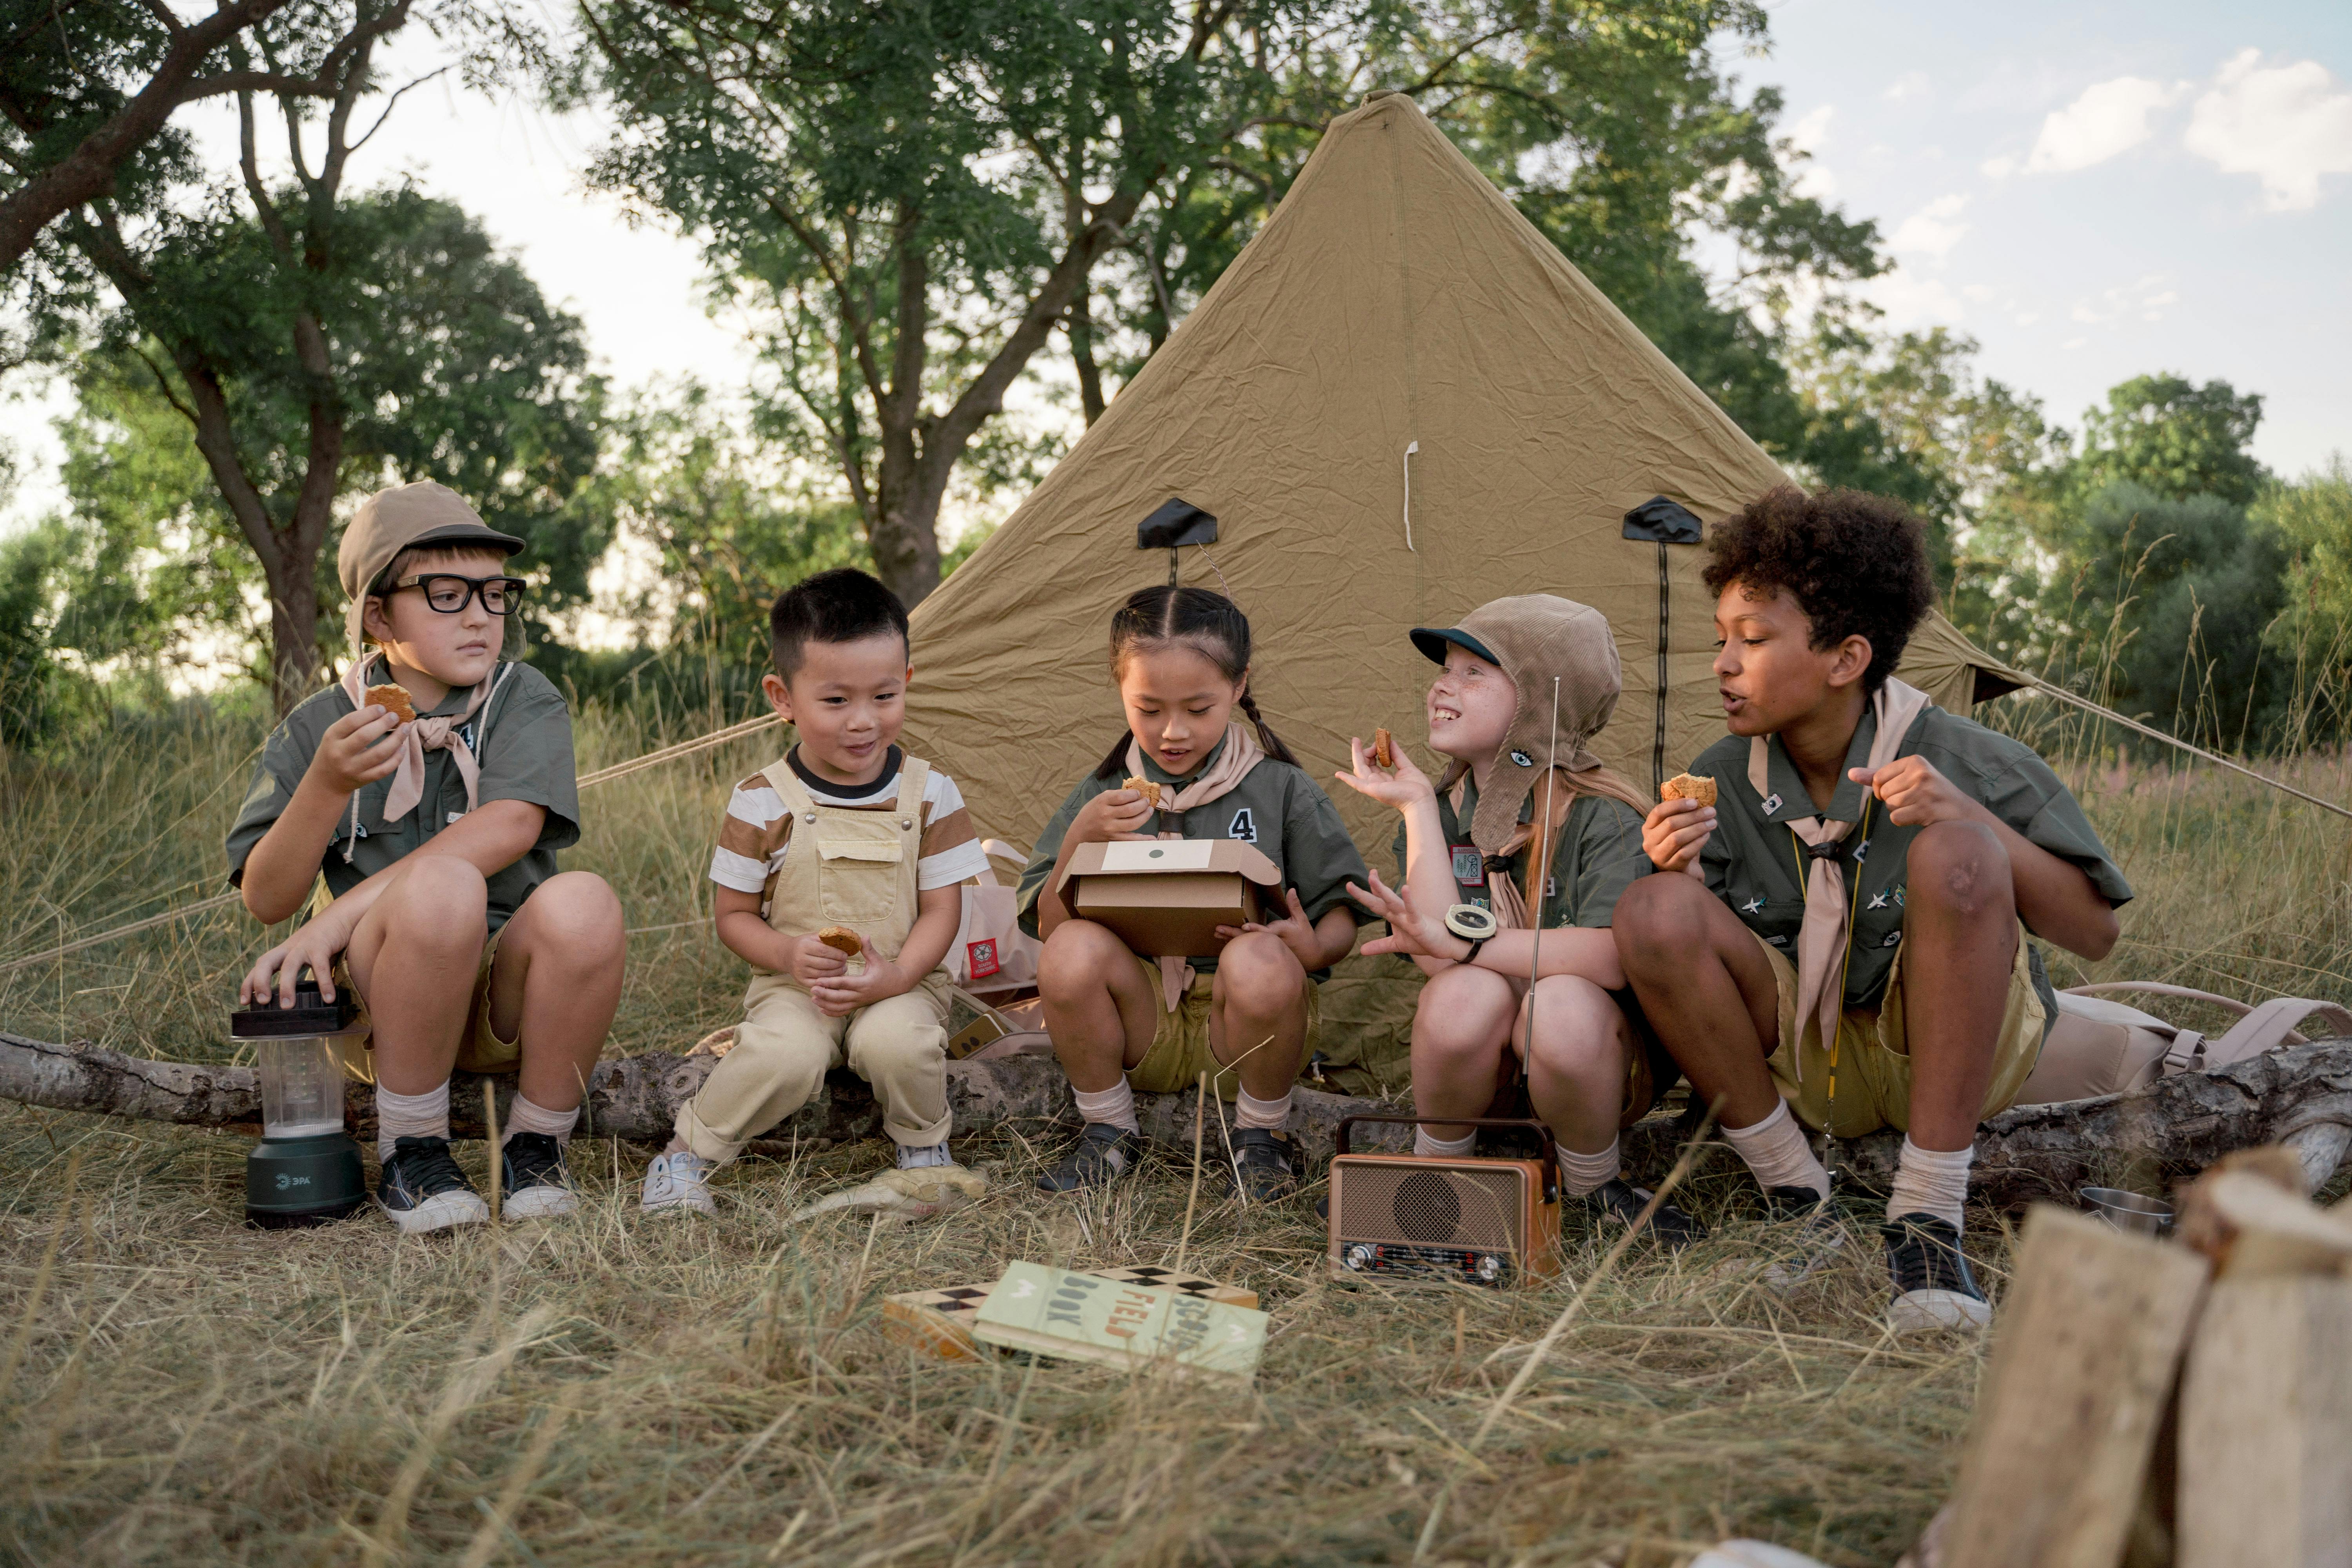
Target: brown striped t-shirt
757	829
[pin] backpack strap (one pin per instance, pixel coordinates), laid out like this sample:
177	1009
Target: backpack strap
2259	1027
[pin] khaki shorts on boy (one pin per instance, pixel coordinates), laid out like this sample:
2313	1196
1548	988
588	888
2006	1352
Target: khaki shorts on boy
1180	1049
1873	1064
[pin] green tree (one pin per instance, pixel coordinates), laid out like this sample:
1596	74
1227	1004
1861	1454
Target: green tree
2177	438
2313	516
313	340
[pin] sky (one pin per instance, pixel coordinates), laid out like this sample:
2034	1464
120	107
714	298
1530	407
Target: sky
2092	191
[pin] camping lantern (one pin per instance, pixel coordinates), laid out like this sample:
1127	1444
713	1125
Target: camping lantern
306	1169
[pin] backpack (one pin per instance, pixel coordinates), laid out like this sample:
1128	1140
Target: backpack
990	952
2097	1047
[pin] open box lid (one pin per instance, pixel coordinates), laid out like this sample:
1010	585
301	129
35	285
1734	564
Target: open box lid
1155	857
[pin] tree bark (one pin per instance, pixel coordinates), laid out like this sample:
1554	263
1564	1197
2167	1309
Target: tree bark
1082	355
2171	1130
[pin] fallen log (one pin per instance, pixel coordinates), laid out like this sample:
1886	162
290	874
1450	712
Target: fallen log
2172	1129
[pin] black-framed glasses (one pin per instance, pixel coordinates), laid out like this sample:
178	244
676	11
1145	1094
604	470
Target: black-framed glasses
447	592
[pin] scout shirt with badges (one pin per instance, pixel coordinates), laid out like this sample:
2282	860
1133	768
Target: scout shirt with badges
1600	855
1274	806
522	741
1754	863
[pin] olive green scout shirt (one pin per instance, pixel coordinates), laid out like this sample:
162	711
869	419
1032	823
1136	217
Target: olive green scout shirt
1277	807
1599	855
522	742
1755	863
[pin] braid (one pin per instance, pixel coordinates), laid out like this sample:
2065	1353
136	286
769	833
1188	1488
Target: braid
1265	737
1114	762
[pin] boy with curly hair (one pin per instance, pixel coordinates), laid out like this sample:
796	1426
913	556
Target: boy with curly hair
1849	943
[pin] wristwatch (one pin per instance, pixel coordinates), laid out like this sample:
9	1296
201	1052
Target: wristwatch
1472	925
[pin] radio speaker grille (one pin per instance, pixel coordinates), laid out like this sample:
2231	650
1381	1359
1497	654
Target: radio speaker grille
1411	1202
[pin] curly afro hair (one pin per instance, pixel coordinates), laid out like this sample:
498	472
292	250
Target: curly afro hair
1855	564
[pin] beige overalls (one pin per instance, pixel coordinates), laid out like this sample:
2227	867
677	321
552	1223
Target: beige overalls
848	868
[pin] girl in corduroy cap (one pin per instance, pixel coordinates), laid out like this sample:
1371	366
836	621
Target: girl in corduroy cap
1527	825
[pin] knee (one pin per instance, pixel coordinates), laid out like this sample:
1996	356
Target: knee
579	916
1461	1010
1257	974
441	903
1962	869
1079	954
1576	1031
1660	919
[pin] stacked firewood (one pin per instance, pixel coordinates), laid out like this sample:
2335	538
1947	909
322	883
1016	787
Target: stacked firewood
2182	1402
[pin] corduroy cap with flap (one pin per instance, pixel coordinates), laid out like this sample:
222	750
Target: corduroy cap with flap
401	517
1533	637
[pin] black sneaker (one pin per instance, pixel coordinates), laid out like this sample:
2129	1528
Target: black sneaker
422	1189
1819	1235
1933	1287
1261	1165
1101	1153
1619	1201
532	1181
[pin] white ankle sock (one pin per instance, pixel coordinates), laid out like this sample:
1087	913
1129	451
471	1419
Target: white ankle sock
401	1116
527	1115
1425	1147
1931	1181
1274	1115
1583	1173
1114	1107
1776	1149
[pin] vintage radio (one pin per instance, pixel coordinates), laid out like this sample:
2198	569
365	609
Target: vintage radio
1405	1221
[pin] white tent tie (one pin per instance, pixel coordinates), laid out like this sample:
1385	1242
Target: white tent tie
1410	448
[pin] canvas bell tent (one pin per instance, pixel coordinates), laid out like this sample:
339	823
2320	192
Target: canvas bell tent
1399	401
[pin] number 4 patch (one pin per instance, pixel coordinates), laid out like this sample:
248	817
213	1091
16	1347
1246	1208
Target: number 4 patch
1243	826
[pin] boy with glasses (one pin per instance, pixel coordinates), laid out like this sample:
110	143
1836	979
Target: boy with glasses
430	789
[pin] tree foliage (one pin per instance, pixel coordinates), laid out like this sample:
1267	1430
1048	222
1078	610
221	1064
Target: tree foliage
2177	438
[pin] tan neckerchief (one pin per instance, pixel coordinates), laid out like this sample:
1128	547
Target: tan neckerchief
436	735
1241	753
1821	941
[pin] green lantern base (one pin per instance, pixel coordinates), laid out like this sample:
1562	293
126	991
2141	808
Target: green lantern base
296	1182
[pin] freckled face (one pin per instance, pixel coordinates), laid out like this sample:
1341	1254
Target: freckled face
1470	706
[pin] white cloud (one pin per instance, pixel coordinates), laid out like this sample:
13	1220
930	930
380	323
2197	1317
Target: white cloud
1999	168
1806	136
2286	125
2108	118
1907	87
1934	229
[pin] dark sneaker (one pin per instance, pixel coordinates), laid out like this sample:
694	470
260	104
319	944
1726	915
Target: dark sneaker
1818	1239
1933	1287
423	1190
532	1181
1617	1200
1261	1165
1102	1151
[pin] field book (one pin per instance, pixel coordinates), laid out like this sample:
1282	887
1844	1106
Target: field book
939	1322
1068	1316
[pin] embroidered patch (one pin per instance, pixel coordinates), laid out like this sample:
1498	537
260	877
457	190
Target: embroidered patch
1551	886
1877	902
1860	850
1899	898
1467	870
1778	940
1753	906
1524	760
1771	803
1892	938
1243	826
980	958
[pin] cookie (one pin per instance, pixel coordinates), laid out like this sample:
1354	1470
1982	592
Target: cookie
1384	748
393	699
1688	786
842	941
1144	788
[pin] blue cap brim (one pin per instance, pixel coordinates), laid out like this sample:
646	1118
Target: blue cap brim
1431	641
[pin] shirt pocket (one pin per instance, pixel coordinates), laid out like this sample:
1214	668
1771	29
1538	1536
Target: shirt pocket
860	874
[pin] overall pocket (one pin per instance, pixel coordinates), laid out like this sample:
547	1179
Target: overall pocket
857	880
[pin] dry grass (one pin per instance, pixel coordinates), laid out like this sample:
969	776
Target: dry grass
609	1389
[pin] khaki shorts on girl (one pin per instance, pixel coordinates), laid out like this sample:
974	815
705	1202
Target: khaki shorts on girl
479	1049
1873	1064
1180	1049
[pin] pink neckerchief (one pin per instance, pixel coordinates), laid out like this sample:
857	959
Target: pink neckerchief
1241	753
415	739
1822	939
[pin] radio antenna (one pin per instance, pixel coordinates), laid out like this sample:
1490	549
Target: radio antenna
1545	851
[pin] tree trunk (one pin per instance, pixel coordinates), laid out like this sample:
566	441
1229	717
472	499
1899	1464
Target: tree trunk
2170	1130
293	631
1082	355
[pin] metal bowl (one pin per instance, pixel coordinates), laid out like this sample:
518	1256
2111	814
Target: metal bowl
2127	1211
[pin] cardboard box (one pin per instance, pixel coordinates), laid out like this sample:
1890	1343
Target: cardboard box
1167	897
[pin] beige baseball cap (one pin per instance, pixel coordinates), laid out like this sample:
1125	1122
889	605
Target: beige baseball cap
401	517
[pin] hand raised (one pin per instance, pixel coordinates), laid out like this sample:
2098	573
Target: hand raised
1400	787
1916	794
1411	932
1295	930
1111	816
1675	832
356	750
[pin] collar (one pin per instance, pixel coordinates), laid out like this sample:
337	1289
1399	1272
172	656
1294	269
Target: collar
892	761
1788	785
1158	774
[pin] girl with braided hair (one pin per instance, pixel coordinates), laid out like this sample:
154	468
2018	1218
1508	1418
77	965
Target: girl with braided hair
1120	1022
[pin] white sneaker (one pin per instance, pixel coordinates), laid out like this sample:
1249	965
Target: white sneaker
679	1181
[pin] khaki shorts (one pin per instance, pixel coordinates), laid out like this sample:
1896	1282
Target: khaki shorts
1180	1049
1874	1070
479	1049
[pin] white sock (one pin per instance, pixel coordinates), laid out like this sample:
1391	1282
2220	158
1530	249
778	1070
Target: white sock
917	1156
1583	1173
401	1116
1274	1115
1776	1149
1114	1107
1931	1181
527	1115
1425	1147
